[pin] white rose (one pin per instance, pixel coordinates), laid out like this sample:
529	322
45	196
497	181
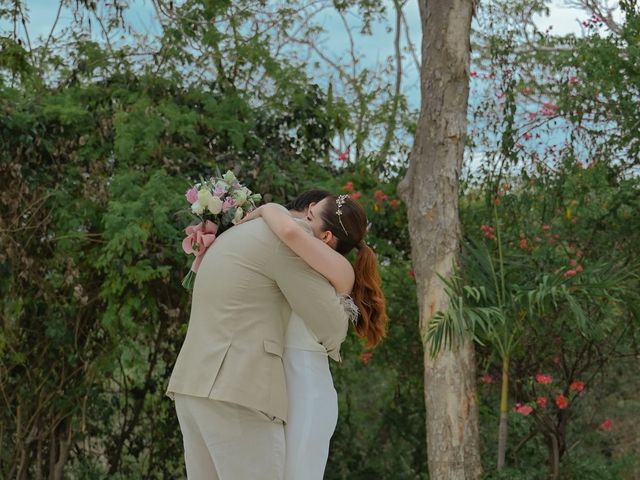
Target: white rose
204	197
197	208
215	205
238	216
240	197
229	177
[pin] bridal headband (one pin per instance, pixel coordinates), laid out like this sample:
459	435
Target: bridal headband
339	203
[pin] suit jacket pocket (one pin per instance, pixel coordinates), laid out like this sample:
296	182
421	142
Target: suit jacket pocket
273	347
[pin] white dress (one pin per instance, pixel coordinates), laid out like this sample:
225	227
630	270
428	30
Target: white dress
313	401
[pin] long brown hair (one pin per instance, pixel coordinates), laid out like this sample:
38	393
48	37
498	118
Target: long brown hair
349	228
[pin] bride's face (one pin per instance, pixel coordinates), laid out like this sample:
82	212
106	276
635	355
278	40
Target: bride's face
314	217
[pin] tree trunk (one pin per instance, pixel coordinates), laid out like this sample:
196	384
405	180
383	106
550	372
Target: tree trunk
504	413
430	190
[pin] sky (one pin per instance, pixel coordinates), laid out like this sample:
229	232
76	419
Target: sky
372	49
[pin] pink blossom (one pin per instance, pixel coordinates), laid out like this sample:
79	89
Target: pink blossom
356	195
607	424
579	268
348	186
543	378
570	273
541	401
192	195
573	262
546	227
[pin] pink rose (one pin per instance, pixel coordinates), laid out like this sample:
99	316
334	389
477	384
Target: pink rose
192	195
228	204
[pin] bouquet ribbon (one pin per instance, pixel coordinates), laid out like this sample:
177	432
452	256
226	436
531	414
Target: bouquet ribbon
199	238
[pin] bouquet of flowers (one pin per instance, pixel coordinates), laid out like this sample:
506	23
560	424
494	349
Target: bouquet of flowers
218	203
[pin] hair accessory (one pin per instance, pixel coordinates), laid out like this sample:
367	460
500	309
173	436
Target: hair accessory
340	201
350	308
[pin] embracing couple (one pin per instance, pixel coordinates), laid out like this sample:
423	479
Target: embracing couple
272	302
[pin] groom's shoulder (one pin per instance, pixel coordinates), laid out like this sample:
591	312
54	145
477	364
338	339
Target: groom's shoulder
256	231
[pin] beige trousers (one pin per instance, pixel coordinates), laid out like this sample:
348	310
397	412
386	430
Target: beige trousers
226	441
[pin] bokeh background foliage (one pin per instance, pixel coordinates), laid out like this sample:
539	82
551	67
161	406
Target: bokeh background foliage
99	140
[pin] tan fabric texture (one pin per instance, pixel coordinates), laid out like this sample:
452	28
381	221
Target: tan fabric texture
244	291
225	441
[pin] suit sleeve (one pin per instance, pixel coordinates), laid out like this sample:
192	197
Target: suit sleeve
312	297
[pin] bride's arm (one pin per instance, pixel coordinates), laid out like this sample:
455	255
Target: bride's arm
318	255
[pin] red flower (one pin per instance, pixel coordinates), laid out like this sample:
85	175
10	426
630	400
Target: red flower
573	262
543	379
348	186
487	232
486	378
577	386
365	357
578	268
379	195
541	401
394	203
546	227
607	424
356	195
524	410
570	273
344	156
562	402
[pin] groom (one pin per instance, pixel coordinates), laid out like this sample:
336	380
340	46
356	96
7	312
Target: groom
228	381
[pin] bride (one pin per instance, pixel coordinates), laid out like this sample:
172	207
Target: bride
338	225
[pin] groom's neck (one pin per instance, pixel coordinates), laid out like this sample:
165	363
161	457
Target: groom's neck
297	214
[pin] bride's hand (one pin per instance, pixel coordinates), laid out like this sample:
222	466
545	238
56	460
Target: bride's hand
251	215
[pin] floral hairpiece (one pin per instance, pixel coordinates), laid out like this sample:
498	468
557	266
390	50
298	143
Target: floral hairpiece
340	201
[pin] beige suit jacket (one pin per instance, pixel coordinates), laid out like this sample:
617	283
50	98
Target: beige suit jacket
244	291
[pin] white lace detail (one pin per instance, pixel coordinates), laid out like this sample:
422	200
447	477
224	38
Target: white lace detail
350	307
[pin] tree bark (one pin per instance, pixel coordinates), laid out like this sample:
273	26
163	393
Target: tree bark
430	190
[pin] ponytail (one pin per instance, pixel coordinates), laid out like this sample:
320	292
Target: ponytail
368	296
